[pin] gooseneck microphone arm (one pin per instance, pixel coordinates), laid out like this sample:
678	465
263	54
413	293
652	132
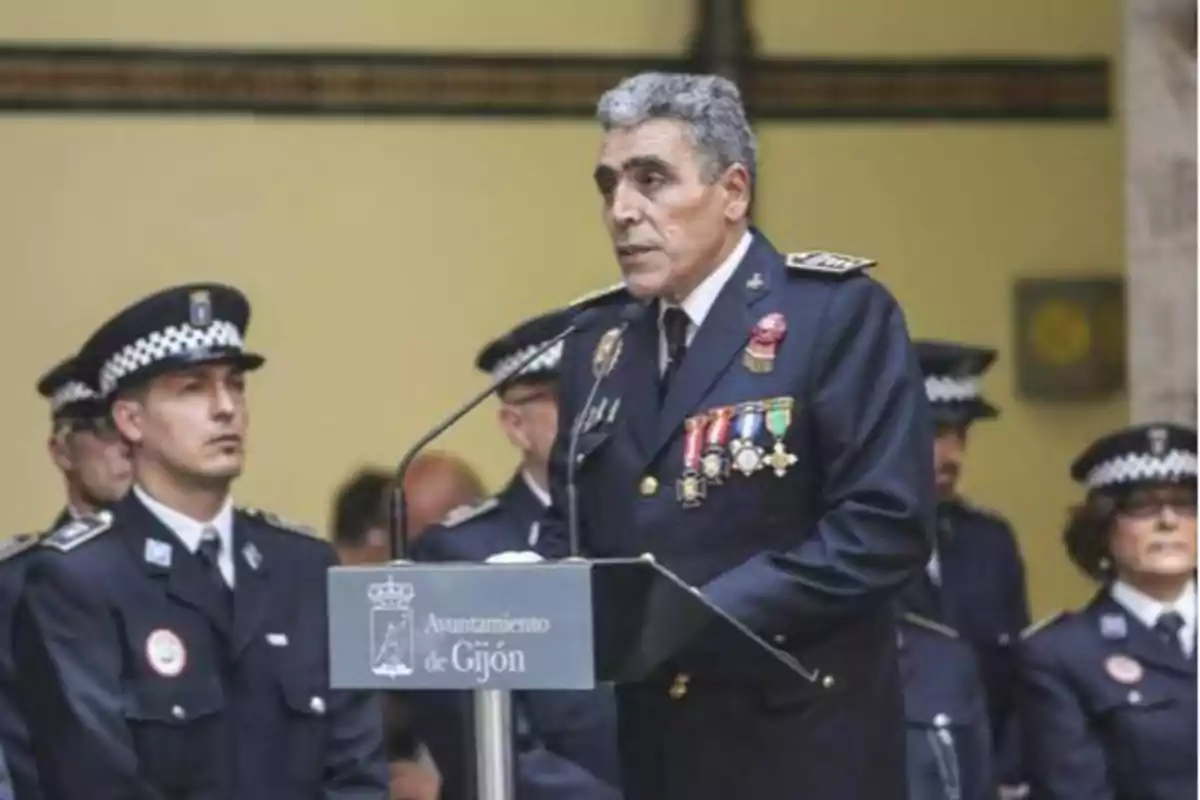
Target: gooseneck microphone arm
628	315
398	518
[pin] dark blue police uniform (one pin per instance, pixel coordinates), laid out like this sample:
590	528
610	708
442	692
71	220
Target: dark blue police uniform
70	399
1109	708
566	739
151	681
976	582
18	762
947	725
786	472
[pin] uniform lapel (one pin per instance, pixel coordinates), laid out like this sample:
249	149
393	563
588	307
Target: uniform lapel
636	374
251	593
163	555
725	332
1138	640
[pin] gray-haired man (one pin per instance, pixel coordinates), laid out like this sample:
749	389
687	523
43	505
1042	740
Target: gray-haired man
766	436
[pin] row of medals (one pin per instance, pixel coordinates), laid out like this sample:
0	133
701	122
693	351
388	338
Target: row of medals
705	460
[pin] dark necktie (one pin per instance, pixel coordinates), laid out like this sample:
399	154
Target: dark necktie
1168	627
675	327
210	555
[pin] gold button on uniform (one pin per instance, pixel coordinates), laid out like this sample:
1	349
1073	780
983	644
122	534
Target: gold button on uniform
679	687
648	486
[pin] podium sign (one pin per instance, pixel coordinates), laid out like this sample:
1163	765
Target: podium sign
461	626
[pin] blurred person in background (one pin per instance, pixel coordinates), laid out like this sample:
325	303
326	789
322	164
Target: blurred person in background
437	483
84	446
94	463
947	728
359	519
975	579
1108	692
572	732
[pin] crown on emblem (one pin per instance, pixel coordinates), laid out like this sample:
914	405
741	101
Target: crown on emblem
390	593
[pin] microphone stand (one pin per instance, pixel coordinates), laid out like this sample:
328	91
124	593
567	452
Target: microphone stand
397	519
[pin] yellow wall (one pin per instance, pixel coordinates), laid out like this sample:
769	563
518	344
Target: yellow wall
381	254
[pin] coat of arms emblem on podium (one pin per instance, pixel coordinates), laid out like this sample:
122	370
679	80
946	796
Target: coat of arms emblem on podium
393	628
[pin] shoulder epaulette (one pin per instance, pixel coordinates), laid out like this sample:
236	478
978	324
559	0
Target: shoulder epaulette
1043	623
463	513
18	544
928	624
75	532
591	298
823	263
276	521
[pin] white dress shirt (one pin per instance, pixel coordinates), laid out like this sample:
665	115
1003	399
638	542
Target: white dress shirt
1147	610
189	531
538	490
700	301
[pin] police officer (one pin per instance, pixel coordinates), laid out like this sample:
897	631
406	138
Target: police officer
948	732
93	459
94	463
176	647
577	727
761	429
975	580
1108	692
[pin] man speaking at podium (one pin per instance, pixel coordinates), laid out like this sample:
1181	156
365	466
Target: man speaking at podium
761	428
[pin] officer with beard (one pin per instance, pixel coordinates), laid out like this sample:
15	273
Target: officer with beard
975	580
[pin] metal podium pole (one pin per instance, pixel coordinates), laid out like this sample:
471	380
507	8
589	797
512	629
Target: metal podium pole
493	744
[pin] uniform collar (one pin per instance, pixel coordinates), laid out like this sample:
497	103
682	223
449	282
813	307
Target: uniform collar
540	493
187	529
701	300
1147	610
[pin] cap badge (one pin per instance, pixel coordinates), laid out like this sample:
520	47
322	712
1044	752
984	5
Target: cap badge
200	313
1158	441
1123	669
608	350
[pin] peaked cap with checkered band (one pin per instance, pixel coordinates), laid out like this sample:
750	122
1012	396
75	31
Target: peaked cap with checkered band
1144	455
70	396
952	375
501	356
195	323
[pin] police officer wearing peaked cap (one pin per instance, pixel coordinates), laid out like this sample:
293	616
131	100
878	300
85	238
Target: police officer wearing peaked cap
1108	692
567	740
83	443
176	647
975	580
94	463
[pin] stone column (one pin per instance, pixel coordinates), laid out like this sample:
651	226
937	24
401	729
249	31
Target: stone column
1160	207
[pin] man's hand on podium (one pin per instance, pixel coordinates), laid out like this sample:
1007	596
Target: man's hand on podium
514	557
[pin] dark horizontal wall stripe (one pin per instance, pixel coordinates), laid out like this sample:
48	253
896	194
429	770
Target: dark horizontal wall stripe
54	79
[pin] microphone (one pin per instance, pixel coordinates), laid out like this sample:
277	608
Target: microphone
628	315
398	522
